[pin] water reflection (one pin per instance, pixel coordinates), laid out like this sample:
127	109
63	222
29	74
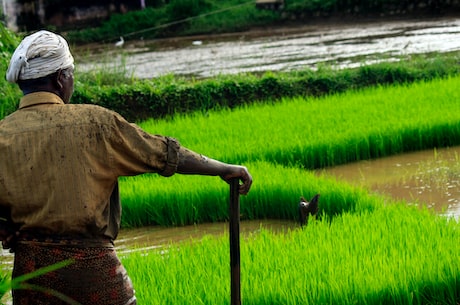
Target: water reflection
430	178
343	45
158	237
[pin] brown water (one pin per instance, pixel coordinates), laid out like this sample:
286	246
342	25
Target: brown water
280	49
159	237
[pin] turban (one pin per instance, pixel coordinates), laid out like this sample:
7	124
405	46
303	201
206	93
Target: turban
39	55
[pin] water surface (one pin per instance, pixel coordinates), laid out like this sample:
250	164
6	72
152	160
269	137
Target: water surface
281	49
430	178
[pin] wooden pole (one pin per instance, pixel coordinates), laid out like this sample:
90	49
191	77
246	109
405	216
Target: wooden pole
235	242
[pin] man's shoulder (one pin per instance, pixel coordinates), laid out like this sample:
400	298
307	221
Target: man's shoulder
91	109
94	112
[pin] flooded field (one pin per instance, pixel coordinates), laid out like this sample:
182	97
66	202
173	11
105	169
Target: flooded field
430	178
427	178
281	49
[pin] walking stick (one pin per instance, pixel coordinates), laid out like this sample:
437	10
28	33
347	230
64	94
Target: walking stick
235	242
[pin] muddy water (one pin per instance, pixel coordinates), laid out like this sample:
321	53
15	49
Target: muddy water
430	178
157	238
281	49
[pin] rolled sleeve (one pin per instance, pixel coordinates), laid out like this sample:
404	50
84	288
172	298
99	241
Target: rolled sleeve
172	157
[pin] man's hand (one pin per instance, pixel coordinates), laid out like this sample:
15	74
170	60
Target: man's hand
242	173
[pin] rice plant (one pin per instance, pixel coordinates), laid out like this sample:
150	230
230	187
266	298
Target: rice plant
276	191
391	255
298	133
319	132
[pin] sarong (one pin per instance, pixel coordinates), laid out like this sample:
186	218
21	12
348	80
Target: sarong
95	277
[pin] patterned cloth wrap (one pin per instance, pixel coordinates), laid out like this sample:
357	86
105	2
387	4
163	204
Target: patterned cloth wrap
95	276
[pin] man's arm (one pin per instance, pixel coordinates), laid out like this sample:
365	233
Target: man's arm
192	163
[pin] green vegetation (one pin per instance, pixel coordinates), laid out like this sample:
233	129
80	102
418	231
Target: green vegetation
179	17
296	132
193	17
169	95
10	94
392	255
362	249
182	200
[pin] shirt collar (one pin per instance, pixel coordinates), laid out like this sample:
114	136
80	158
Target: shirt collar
39	98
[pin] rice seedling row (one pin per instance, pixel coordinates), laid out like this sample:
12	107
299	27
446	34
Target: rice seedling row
362	248
392	255
303	133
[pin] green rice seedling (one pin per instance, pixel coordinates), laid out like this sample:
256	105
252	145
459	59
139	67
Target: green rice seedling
20	282
391	255
331	130
319	132
276	191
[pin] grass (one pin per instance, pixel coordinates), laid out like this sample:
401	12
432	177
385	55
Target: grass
319	132
10	94
298	133
181	200
392	255
363	249
179	17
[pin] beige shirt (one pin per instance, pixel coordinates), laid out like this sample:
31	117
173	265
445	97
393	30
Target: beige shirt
59	164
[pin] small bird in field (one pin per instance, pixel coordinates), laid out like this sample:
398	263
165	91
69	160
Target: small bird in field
307	208
120	43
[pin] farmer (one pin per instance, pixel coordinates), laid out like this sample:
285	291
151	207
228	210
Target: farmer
59	167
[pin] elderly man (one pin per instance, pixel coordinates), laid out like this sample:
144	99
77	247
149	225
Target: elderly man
58	179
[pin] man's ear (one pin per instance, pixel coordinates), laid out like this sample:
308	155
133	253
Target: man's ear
57	80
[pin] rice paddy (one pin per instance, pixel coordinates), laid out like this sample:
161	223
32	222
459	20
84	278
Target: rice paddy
362	248
393	255
319	132
295	133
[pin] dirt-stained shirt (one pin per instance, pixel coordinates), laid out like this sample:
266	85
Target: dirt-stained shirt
59	165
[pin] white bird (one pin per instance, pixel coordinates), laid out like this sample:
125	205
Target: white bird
120	42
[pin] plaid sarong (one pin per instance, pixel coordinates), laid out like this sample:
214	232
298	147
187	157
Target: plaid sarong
96	276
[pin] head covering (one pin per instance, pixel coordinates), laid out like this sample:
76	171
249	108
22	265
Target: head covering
39	55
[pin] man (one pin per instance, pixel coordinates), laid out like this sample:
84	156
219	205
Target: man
58	179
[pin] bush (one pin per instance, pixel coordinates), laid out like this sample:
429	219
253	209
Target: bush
167	96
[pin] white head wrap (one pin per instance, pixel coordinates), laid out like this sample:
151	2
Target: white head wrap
39	55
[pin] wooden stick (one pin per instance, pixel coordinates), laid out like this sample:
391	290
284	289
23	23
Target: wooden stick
235	242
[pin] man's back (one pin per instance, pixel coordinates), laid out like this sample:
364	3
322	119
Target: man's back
68	158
